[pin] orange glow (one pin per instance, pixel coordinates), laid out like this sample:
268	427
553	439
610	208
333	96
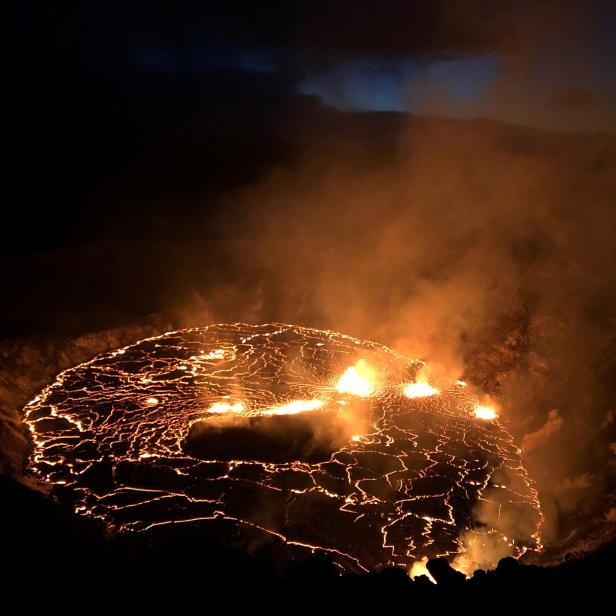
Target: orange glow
292	408
226	407
357	380
485	412
420	390
419	568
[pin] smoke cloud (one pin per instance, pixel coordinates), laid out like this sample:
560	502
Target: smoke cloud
485	250
542	435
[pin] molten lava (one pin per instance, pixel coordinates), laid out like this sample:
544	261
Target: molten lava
292	408
358	380
485	412
226	407
257	431
420	390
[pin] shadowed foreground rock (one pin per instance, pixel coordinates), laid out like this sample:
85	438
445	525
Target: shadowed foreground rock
445	576
46	549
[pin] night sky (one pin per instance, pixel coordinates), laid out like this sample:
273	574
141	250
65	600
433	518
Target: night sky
94	85
547	64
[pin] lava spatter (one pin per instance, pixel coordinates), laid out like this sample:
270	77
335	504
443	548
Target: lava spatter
309	436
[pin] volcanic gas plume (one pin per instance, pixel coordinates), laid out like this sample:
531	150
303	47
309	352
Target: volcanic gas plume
313	438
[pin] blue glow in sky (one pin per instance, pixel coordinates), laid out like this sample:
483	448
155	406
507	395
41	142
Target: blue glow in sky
373	85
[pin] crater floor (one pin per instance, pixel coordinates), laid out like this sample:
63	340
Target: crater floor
245	425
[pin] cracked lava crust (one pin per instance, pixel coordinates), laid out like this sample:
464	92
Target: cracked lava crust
311	437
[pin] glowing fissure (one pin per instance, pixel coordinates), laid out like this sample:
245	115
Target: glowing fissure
294	407
420	390
226	407
402	482
357	380
485	412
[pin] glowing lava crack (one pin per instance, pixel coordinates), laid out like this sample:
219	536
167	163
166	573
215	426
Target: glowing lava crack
314	438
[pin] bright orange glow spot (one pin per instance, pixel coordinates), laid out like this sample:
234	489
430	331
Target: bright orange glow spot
226	407
485	412
152	401
297	406
420	390
419	568
357	380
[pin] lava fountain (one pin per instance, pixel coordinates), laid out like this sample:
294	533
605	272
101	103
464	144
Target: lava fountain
310	437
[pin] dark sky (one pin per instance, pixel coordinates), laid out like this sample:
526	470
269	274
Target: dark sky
95	86
547	64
